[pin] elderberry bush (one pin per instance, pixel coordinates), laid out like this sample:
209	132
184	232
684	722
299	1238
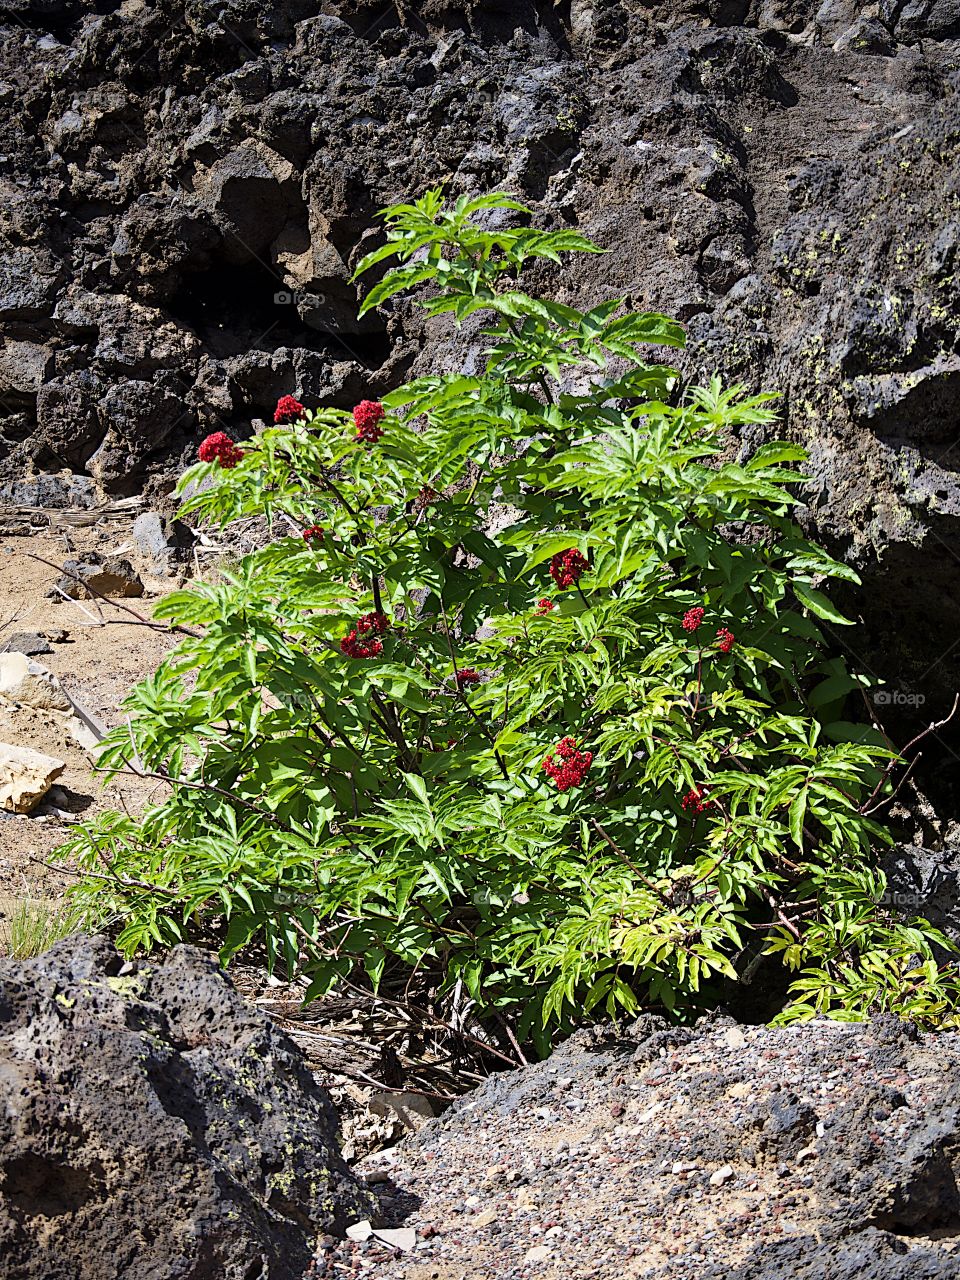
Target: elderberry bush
588	757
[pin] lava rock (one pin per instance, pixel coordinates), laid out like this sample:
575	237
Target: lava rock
54	492
151	1124
189	188
730	1153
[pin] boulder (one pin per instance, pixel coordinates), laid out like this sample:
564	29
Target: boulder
91	575
160	543
30	684
153	1125
725	1152
68	419
25	777
248	191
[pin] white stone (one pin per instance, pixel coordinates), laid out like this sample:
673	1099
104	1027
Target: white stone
25	777
30	683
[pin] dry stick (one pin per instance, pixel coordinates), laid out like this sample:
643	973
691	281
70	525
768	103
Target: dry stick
409	1008
197	786
635	869
897	789
144	622
782	918
115	878
97	622
513	1040
356	1074
931	728
437	1021
10	621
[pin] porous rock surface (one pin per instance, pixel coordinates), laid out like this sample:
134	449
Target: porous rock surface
153	1127
187	186
822	1152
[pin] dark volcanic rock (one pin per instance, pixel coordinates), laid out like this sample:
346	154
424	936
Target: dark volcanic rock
154	1126
188	187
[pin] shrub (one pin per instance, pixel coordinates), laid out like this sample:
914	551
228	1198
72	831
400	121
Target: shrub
529	700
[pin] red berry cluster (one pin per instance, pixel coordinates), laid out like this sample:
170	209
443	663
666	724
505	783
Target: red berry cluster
367	416
567	567
725	640
696	800
371	625
220	448
313	534
692	618
545	605
571	768
288	409
426	495
378	623
466	677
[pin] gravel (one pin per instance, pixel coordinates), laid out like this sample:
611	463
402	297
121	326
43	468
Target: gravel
744	1153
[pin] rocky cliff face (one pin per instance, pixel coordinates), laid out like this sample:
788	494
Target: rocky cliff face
187	187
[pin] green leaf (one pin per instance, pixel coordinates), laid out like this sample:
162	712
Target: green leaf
818	603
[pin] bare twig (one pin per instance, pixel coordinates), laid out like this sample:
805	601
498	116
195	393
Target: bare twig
146	622
931	728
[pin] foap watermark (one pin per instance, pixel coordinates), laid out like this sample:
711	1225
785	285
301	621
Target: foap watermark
898	698
901	898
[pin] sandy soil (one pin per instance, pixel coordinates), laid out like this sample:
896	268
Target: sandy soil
97	665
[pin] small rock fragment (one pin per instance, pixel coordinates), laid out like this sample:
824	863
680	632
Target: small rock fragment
721	1175
402	1238
29	642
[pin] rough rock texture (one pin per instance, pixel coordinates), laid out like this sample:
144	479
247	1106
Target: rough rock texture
827	1152
93	575
30	684
186	188
25	777
152	1125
